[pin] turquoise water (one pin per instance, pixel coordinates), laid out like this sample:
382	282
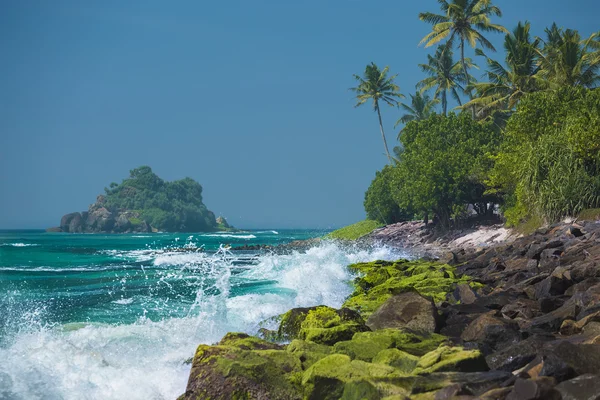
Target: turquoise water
116	316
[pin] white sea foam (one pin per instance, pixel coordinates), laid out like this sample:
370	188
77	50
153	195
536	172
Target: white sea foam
19	244
229	235
145	360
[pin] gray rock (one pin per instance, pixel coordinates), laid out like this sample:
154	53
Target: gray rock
407	310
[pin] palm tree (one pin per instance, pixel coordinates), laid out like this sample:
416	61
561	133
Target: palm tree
462	20
375	85
445	75
568	60
507	85
421	107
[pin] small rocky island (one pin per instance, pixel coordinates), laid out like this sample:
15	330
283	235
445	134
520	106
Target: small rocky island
145	203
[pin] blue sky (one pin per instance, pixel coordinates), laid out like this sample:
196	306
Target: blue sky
249	98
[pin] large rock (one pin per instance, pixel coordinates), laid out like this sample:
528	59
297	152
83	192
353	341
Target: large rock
72	222
584	387
492	333
405	311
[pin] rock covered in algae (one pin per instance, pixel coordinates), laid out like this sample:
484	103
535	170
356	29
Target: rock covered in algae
324	325
380	280
230	371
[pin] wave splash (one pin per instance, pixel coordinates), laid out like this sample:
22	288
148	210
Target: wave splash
146	359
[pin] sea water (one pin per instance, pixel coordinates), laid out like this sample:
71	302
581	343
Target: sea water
93	316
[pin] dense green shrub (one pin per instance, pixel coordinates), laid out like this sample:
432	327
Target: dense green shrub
166	206
380	204
549	164
443	166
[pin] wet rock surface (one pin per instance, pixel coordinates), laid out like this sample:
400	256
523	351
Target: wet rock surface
517	320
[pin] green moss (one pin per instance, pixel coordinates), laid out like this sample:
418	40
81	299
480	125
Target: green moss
321	317
527	227
228	372
246	342
406	341
329	377
330	336
447	358
402	361
381	280
321	324
307	352
355	231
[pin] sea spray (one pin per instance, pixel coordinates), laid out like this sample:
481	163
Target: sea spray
175	301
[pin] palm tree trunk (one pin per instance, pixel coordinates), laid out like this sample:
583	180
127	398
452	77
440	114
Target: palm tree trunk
383	136
444	102
464	65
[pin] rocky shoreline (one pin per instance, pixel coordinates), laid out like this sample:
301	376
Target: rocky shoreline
519	319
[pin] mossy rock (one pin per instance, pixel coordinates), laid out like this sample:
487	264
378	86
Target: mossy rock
402	361
457	359
380	280
228	372
307	352
339	377
417	345
324	325
246	342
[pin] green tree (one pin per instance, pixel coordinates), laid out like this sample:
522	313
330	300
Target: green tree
444	164
379	203
549	163
445	76
568	60
506	86
421	107
462	21
376	86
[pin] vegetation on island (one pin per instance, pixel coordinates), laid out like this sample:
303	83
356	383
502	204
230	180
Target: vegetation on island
524	138
165	206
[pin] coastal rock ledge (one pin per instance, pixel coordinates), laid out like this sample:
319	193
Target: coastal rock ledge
515	321
99	219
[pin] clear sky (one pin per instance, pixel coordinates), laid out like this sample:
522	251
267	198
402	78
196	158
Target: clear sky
250	98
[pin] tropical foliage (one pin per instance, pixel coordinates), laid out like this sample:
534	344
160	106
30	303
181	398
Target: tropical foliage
166	206
377	87
527	136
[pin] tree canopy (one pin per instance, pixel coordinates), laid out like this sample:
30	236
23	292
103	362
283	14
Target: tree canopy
166	206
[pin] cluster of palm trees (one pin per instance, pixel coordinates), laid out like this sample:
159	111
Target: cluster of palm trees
562	58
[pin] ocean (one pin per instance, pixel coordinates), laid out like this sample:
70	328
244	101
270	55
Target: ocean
94	316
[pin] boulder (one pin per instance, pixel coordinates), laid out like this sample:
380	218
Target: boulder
72	222
534	389
492	333
584	387
226	372
407	310
514	357
324	325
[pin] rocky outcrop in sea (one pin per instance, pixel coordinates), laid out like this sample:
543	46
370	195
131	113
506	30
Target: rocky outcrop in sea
99	219
518	320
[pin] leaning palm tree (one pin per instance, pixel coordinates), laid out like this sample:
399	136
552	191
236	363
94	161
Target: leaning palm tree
445	76
568	60
375	85
506	86
462	21
421	107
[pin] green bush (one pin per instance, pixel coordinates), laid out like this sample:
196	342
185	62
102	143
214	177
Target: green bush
443	166
380	204
549	163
